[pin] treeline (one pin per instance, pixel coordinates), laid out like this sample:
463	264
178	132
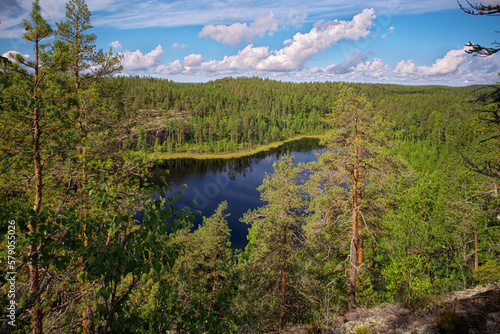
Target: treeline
234	113
402	207
223	115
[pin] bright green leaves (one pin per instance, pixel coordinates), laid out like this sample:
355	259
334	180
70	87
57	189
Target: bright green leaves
408	280
121	251
488	272
415	226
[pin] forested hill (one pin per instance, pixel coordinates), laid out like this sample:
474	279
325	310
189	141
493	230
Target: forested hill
402	206
235	113
419	217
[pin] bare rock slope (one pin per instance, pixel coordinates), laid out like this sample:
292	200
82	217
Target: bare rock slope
472	311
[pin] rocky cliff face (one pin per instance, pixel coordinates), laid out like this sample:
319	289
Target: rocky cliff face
475	310
472	311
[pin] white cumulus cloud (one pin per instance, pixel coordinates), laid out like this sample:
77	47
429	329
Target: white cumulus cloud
115	45
406	68
346	66
376	68
292	57
245	60
301	47
11	55
450	63
193	60
136	61
355	67
174	67
233	34
298	50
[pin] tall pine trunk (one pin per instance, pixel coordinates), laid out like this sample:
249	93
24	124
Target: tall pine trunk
354	242
283	279
34	274
353	271
476	255
361	247
34	281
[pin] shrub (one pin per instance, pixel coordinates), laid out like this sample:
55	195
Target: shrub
366	293
362	329
408	281
488	273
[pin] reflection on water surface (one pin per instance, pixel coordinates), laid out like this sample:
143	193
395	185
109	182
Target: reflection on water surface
236	180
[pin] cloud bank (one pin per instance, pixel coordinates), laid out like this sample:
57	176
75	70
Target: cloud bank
292	57
454	68
290	62
236	32
136	61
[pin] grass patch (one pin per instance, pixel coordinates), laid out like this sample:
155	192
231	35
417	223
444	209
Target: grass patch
227	155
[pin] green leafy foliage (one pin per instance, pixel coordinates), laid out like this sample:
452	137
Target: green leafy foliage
488	273
408	281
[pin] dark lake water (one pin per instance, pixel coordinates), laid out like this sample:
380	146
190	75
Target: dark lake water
209	182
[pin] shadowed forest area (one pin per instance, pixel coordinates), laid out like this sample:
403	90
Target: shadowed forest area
401	209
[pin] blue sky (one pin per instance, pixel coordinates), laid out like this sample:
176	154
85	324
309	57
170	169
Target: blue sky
395	41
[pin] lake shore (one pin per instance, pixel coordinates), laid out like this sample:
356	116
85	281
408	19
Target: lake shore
158	156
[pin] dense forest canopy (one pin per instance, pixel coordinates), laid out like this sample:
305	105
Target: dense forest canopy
238	112
400	208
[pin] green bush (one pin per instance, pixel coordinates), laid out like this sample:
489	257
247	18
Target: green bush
488	273
362	329
366	293
408	281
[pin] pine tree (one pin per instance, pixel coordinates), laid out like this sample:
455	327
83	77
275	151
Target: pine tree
348	171
37	31
84	66
216	247
199	286
269	262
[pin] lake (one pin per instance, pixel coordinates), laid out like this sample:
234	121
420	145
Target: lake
212	181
